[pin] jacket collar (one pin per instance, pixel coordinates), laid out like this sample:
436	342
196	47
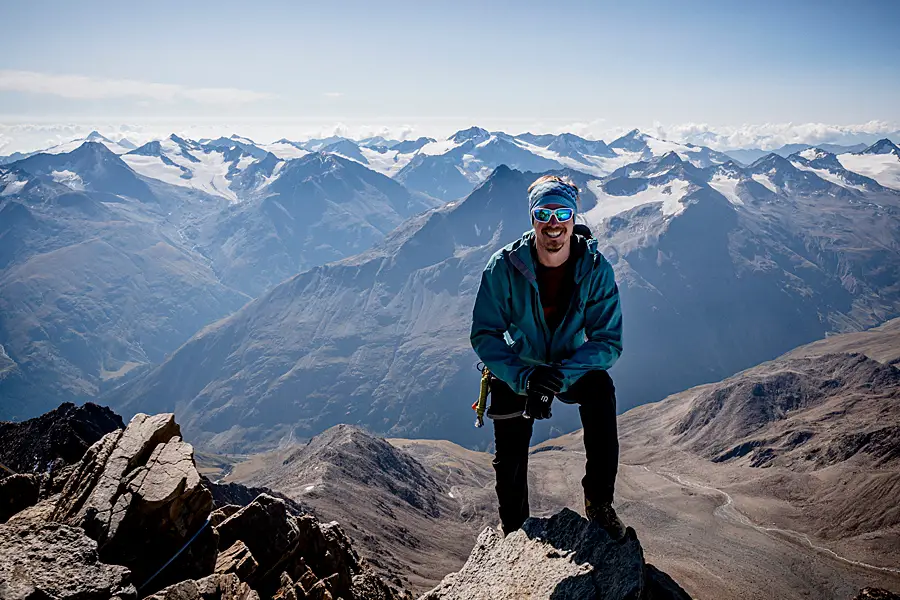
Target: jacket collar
520	256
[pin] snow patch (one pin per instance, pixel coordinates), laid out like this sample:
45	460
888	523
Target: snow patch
811	154
726	186
883	168
765	181
15	186
389	163
438	147
285	151
69	178
828	176
245	162
209	175
596	165
669	196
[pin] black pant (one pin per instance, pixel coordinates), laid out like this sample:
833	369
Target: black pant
595	395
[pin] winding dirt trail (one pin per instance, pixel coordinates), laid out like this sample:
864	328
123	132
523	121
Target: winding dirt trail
729	512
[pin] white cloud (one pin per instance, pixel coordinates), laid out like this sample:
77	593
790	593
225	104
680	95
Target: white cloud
333	94
93	88
766	136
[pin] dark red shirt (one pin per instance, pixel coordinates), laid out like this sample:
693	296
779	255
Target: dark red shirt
555	285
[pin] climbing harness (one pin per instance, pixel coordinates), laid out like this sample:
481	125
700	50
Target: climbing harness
168	562
479	405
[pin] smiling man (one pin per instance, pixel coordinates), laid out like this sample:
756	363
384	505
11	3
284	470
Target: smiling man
547	325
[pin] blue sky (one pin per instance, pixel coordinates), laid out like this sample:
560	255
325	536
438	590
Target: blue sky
620	64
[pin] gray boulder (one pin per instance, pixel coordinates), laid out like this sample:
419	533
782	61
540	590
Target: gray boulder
137	492
564	556
57	561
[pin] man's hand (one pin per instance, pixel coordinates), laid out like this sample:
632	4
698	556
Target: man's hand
543	383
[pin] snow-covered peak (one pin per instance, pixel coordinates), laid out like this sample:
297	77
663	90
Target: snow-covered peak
771	163
633	141
242	140
409	146
316	144
95	136
882	146
347	149
377	141
475	134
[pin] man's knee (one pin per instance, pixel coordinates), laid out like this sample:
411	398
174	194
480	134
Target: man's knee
592	387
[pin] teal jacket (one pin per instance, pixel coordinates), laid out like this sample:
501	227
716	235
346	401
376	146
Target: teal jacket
509	333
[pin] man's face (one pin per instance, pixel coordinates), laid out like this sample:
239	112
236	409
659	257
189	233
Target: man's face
553	236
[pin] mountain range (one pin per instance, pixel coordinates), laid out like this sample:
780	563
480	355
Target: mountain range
360	287
719	268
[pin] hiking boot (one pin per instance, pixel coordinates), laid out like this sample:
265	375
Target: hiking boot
604	515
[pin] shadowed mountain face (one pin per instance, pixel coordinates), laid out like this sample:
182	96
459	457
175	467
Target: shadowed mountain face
317	209
103	270
93	284
92	166
718	269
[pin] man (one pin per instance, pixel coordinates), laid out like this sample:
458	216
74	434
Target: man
547	324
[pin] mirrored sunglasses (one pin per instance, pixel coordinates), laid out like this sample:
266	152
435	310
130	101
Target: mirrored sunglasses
543	215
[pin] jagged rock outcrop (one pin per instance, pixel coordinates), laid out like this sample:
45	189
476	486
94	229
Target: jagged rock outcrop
43	451
225	494
137	480
63	434
564	556
287	556
135	499
57	561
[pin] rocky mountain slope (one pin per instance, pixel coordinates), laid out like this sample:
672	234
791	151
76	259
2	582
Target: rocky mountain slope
300	214
397	512
775	522
814	434
104	270
794	525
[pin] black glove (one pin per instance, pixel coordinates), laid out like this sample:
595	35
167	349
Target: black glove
543	383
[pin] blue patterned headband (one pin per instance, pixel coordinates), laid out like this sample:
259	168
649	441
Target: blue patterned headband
553	192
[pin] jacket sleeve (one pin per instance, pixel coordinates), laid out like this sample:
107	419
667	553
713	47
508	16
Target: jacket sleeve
490	320
602	328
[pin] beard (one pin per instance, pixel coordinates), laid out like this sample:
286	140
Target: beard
551	244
